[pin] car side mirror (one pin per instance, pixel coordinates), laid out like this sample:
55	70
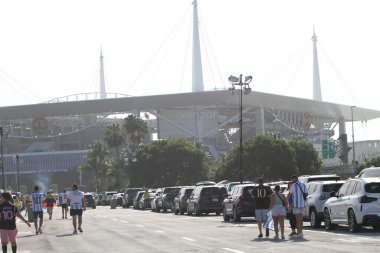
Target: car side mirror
332	194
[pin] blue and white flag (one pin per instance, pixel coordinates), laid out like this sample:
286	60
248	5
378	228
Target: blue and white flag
269	224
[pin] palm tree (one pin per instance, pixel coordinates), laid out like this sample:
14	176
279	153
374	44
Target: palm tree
114	138
96	161
135	129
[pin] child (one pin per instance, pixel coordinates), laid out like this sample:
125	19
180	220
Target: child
8	214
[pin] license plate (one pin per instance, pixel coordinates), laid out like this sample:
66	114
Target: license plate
215	199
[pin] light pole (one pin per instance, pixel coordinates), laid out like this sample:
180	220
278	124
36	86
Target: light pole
353	136
238	81
2	156
17	160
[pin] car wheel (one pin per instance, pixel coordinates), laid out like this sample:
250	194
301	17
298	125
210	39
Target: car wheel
315	222
188	211
376	227
164	209
328	224
196	210
158	210
225	216
217	213
182	211
94	207
237	217
353	226
176	211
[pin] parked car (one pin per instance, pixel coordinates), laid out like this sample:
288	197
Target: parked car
137	198
107	197
306	178
90	200
156	201
145	204
180	201
205	183
99	199
369	172
129	196
206	199
318	194
118	197
231	185
357	203
168	196
239	203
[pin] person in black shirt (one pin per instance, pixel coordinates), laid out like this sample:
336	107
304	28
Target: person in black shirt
8	214
262	195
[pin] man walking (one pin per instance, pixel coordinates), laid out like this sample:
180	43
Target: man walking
8	230
262	195
77	204
36	199
50	202
298	191
63	200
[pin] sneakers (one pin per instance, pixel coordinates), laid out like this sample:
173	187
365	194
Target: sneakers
266	233
36	232
63	217
292	233
80	230
75	232
300	236
40	231
260	236
275	237
283	237
50	218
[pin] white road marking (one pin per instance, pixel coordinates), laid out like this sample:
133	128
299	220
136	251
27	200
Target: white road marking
188	239
233	250
124	221
115	219
138	225
159	231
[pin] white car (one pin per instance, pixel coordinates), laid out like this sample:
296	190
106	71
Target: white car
369	172
357	203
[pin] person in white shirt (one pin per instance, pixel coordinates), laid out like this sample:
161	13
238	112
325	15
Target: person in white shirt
36	198
77	204
63	200
298	191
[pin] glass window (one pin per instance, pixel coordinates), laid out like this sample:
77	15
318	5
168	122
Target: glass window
358	187
312	188
371	173
372	187
331	187
351	188
343	189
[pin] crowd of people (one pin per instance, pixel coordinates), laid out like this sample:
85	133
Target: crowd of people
11	207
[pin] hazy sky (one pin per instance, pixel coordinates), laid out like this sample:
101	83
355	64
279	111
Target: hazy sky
50	48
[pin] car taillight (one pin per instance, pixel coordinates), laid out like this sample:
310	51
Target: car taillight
366	199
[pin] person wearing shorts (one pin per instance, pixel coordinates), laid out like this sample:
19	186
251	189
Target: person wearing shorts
50	203
36	199
261	194
77	204
277	206
8	230
297	190
63	200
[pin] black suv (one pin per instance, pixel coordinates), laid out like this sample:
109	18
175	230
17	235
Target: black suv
180	201
129	195
168	196
239	203
90	200
206	199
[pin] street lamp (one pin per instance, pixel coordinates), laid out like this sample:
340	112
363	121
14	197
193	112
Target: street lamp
17	159
238	81
353	136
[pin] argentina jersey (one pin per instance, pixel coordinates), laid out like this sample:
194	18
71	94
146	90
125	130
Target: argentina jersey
36	199
76	199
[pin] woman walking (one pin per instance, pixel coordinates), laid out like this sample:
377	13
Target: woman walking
290	215
277	206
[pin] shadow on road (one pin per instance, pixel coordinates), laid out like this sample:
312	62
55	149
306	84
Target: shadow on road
71	234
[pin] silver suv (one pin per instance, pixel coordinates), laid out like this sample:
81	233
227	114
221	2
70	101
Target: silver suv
319	193
369	172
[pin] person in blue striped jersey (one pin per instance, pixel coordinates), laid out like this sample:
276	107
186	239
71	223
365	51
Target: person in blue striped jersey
77	204
36	199
298	190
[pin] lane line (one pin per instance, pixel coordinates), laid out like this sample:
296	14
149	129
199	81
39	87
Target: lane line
233	250
188	239
159	231
140	226
125	221
115	219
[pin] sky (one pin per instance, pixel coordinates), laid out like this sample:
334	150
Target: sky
51	48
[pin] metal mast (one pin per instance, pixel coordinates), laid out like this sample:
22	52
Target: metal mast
102	81
197	60
317	95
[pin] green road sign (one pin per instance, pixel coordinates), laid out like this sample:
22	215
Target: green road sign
325	149
331	149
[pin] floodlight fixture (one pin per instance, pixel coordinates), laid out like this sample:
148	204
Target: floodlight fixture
233	79
248	79
247	90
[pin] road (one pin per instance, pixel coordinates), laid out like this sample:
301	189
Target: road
127	230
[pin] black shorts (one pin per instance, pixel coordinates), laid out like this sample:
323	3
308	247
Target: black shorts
39	214
64	206
74	212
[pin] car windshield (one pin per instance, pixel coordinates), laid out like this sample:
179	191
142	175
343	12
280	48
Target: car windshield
210	191
372	187
88	197
371	173
331	187
172	190
329	178
188	191
111	193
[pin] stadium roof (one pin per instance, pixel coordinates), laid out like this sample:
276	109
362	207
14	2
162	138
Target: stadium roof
217	99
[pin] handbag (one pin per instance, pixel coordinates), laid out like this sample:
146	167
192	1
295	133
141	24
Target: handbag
283	202
304	194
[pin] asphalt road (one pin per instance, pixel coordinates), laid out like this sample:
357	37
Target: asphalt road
127	230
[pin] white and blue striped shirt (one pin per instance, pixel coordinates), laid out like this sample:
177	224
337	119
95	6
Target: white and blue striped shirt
76	199
295	190
36	199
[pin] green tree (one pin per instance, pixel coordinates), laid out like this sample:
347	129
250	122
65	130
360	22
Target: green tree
136	129
307	159
375	162
263	156
114	138
97	162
